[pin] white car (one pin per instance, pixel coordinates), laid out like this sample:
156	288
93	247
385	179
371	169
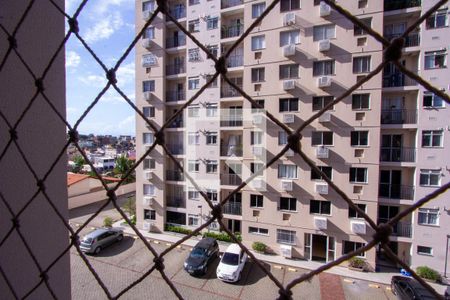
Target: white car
231	264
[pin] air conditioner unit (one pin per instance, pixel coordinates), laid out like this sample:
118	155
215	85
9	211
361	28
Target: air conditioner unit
288	84
322	152
258	184
322	188
324	81
324	10
257	119
320	223
149	60
146	43
358	227
289	153
257	150
148	201
286	251
325	117
148	96
324	45
149	175
148	226
289	19
287	185
289	50
288	118
146	15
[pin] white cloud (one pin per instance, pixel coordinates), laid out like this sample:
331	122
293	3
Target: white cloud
94	80
104	6
71	5
103	29
72	59
127	123
125	75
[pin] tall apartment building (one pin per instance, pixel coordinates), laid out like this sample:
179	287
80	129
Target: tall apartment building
383	145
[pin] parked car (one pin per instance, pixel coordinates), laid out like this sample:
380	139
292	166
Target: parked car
407	288
98	239
201	256
231	264
447	293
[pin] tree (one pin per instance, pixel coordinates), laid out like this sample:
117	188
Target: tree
130	206
123	165
79	162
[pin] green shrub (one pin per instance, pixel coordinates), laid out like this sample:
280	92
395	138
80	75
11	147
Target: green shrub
108	222
133	219
177	229
428	273
357	262
223	236
260	247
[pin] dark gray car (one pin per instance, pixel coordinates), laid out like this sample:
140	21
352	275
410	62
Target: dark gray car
201	255
100	238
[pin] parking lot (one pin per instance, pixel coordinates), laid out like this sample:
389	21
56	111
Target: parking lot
123	263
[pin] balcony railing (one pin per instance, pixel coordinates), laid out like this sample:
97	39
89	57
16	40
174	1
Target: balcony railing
173	201
231	121
399	116
176	149
228	91
174	95
231	151
231	179
178	12
232	31
235	61
396	191
403	229
397	80
174	175
404	154
400	4
232	208
177	123
175	69
175	42
411	40
230	3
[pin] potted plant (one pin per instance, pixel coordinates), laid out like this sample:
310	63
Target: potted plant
357	264
259	247
428	274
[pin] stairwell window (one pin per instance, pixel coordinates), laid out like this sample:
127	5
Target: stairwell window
211	110
258	42
149	190
193	83
193	112
148	138
149	33
358	175
357	31
289	37
288	5
323	68
193	166
194	54
282	137
436	59
353	214
256	201
212	23
255	167
194	25
148	111
359	138
148	86
430	177
256	138
211	166
149	164
360	101
431	100
361	64
193	138
437	19
211	138
258	9
258	74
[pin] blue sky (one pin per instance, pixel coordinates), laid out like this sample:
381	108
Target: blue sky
108	28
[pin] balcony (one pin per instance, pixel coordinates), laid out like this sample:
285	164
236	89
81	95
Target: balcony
176	149
235	61
231	151
174	201
226	91
175	42
404	154
177	123
396	191
411	40
175	69
232	208
232	31
399	116
230	179
230	3
178	12
400	4
397	80
174	175
401	229
174	95
231	121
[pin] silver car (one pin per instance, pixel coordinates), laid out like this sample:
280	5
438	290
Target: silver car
100	238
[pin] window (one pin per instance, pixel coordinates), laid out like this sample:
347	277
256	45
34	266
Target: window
428	216
214	49
148	86
192	220
359	138
258	42
149	190
149	163
287	5
288	204
289	71
193	111
320	207
256	109
287	171
193	83
258	9
432	138
282	137
358	30
431	100
148	5
324	67
147	138
255	167
321	101
435	59
194	54
353	214
149	33
193	194
352	246
148	111
257	74
257	230
194	26
358	175
173	217
212	23
288	104
360	101
193	165
256	137
324	32
212	194
211	138
256	201
211	110
430	177
320	138
193	2
361	64
149	214
289	37
437	20
193	138
424	250
211	166
286	237
327	170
